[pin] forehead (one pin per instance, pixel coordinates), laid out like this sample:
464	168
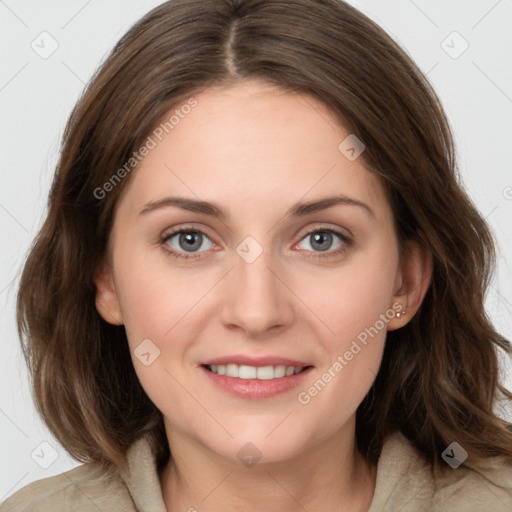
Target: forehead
248	145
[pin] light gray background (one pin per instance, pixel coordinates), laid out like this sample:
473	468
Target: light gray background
37	95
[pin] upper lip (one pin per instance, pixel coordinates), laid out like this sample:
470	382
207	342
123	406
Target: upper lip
256	361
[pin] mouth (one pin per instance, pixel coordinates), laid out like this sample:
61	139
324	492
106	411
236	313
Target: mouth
247	372
256	382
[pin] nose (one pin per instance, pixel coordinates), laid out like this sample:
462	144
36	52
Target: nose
257	299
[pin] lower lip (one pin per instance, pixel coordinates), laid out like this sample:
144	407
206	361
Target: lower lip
255	389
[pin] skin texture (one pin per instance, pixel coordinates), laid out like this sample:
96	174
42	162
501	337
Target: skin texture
256	150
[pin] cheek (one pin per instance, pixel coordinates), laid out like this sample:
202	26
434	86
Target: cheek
160	310
164	310
355	307
351	298
157	295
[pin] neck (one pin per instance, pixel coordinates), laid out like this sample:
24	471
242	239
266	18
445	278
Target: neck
330	476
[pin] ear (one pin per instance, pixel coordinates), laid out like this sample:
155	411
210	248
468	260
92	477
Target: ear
107	300
411	284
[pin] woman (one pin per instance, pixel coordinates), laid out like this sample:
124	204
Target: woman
260	285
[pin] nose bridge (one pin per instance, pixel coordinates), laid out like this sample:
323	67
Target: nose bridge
257	299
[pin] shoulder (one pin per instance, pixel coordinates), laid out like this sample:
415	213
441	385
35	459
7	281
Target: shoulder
475	489
85	488
407	482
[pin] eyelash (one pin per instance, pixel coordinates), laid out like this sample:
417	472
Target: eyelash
348	242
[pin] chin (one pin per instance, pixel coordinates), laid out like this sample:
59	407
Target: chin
262	445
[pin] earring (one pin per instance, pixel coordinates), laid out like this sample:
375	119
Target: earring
400	313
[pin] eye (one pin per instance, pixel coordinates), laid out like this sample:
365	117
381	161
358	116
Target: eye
189	241
321	240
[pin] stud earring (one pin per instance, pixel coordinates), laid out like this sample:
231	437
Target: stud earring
400	313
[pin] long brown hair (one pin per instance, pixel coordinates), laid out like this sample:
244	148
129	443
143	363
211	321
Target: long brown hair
439	378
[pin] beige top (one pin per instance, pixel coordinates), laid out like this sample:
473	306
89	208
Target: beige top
404	483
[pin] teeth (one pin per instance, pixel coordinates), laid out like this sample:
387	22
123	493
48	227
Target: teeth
255	372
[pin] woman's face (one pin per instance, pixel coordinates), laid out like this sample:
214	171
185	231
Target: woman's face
272	282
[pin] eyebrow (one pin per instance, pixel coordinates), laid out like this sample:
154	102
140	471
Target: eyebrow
212	209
